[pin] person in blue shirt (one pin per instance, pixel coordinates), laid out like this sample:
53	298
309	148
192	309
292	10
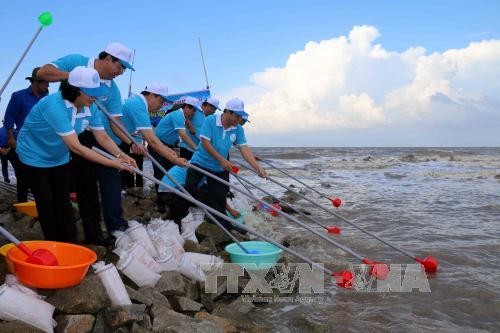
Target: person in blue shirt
136	118
44	143
19	106
170	129
111	63
193	125
218	134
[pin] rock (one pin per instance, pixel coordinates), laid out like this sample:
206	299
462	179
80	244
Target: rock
368	159
124	315
166	320
191	289
191	246
325	185
100	324
184	304
82	323
210	230
308	324
147	296
171	284
101	251
137	192
17	327
225	324
88	297
208	299
236	308
146	322
136	328
497	176
409	158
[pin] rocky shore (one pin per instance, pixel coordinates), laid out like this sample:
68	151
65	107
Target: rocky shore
175	304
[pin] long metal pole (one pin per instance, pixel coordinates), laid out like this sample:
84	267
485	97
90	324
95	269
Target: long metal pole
130	80
203	62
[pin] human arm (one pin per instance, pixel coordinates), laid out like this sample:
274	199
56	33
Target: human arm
250	158
51	73
226	165
161	149
185	138
105	141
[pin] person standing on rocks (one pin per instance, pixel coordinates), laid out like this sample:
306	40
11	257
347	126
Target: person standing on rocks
218	134
44	143
19	107
111	63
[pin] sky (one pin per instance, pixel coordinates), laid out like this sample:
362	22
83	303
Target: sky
311	73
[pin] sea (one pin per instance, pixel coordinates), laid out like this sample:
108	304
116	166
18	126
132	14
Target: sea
439	202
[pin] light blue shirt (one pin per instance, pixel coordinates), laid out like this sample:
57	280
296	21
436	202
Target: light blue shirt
197	122
221	139
112	101
168	128
179	174
135	117
39	142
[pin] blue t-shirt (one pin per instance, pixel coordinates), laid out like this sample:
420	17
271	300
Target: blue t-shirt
168	128
135	116
112	101
221	139
39	142
19	107
197	122
179	174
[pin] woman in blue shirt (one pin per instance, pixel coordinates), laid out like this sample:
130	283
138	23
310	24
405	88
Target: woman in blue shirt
218	134
44	143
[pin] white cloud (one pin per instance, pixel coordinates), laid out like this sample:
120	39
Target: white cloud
349	82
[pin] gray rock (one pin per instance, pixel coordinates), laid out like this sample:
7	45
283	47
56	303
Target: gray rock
88	297
137	192
17	327
208	299
136	328
100	324
184	304
326	185
191	289
100	251
497	176
190	246
171	284
166	320
222	323
235	309
146	322
308	324
74	323
123	315
147	296
210	230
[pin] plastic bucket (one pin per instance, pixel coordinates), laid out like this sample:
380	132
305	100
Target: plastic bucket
3	251
27	208
74	261
240	219
267	256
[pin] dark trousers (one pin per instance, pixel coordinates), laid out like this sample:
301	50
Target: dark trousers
21	180
185	153
177	206
110	184
50	187
166	164
214	195
5	167
132	179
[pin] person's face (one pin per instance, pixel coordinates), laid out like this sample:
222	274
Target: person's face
84	100
111	69
235	119
157	102
40	86
189	111
208	109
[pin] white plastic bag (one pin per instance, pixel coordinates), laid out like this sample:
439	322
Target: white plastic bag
137	232
168	263
15	305
139	251
135	270
204	260
113	283
13	282
191	270
190	223
123	240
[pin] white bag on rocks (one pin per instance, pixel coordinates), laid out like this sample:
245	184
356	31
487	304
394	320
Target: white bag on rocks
13	282
137	232
136	271
15	305
139	251
191	222
168	262
191	270
204	260
113	283
123	240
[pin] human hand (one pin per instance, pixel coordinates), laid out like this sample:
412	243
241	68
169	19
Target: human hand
12	143
181	162
138	149
226	165
129	160
262	173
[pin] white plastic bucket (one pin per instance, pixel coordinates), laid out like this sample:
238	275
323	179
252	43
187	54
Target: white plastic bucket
135	270
14	305
114	285
139	233
139	251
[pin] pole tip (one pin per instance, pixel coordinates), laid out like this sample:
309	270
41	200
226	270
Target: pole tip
336	202
45	19
333	230
429	264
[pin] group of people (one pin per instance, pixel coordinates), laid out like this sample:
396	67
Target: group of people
50	140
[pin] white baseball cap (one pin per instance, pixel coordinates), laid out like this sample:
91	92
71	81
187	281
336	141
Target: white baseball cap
237	106
121	52
214	102
193	102
157	88
87	79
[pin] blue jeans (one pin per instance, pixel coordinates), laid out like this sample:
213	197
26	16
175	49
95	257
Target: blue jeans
110	185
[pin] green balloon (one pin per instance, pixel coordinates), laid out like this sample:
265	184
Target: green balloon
45	18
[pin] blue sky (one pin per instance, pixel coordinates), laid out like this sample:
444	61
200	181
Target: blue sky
244	41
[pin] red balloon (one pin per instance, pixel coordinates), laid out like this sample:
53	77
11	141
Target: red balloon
336	202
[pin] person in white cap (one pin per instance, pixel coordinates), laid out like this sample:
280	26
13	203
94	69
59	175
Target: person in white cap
110	63
44	143
136	118
218	134
170	129
208	107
